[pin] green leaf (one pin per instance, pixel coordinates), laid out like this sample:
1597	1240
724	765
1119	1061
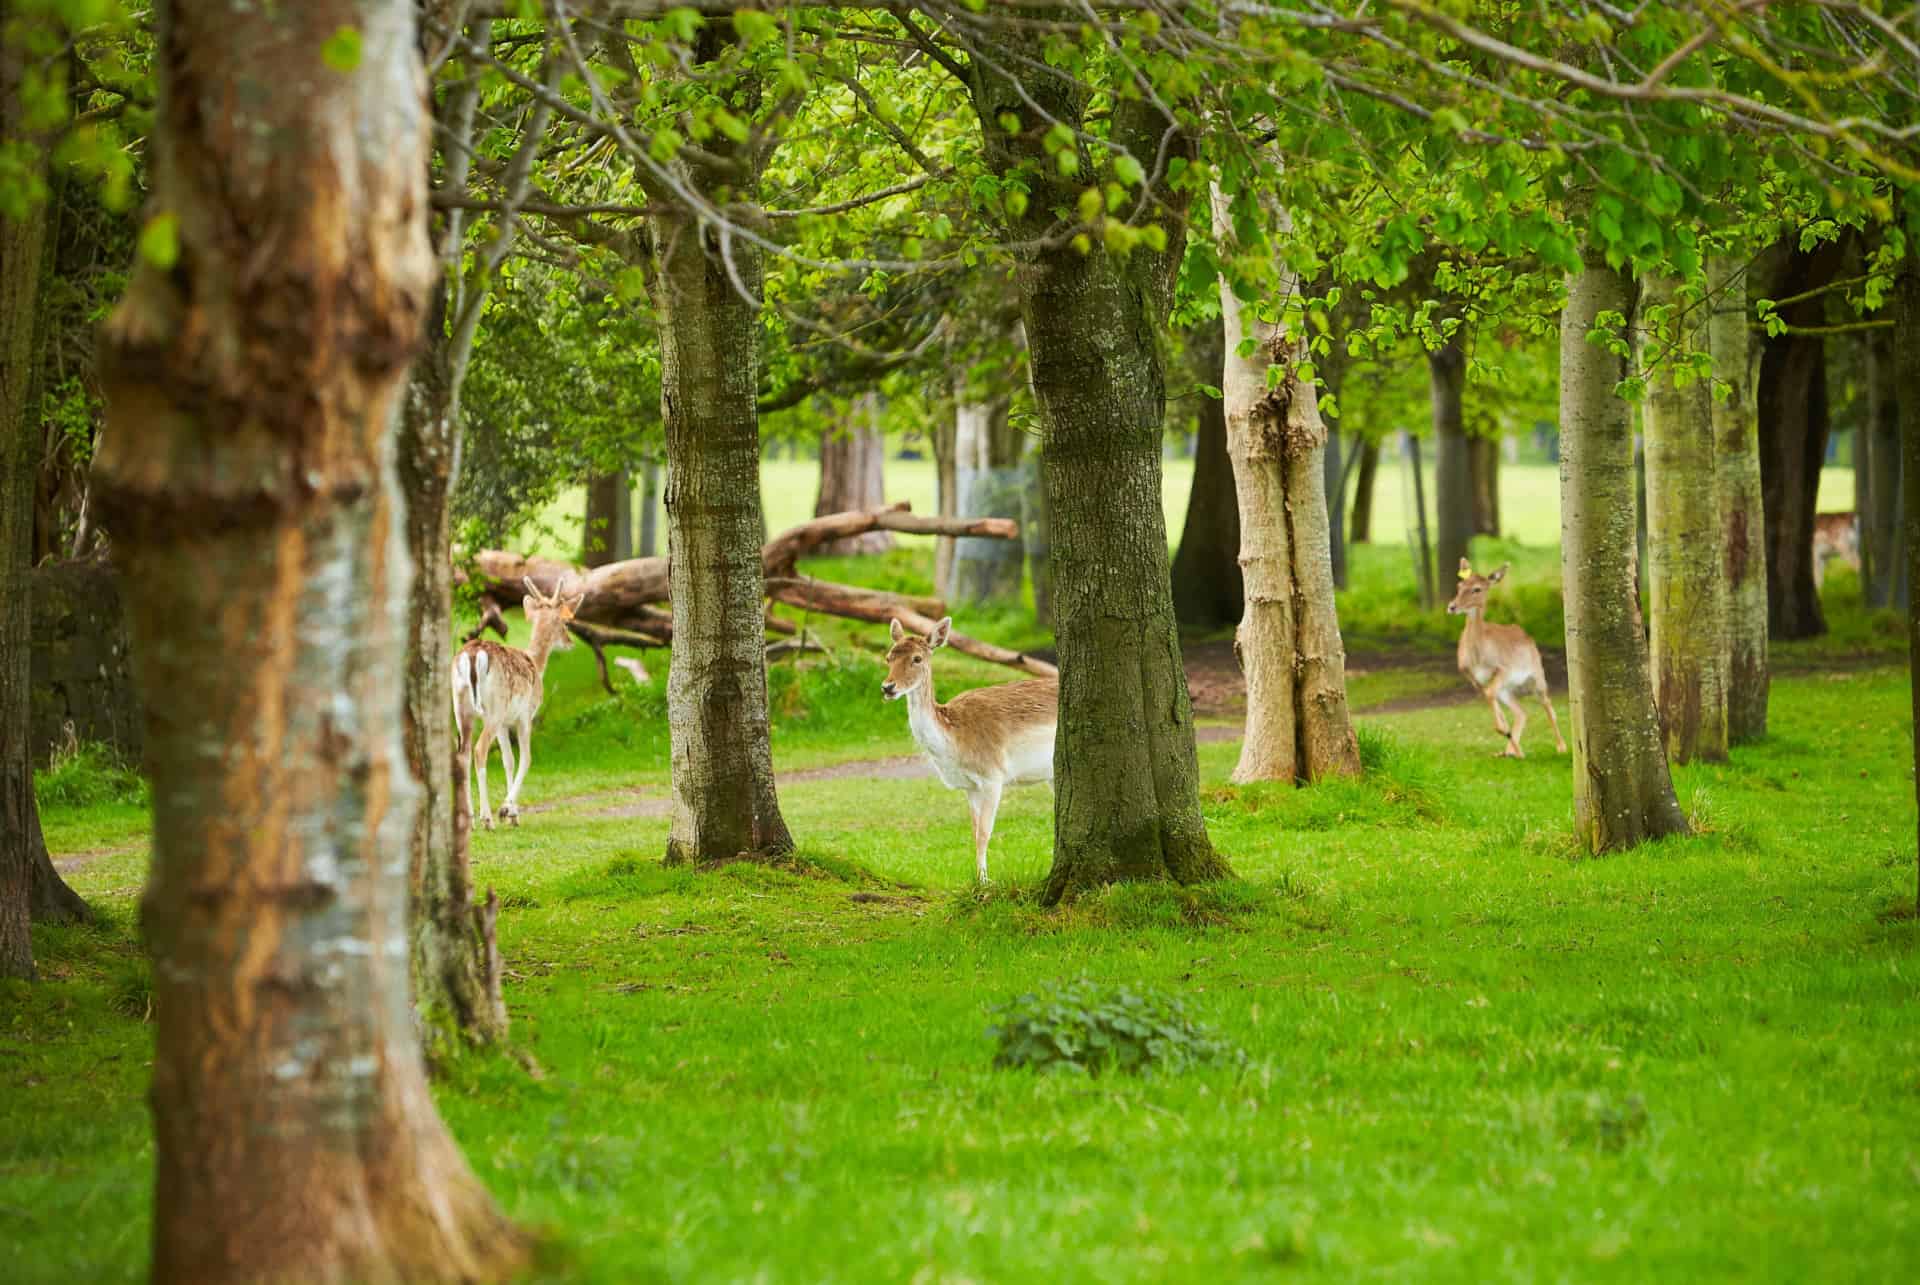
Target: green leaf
160	241
1128	170
341	51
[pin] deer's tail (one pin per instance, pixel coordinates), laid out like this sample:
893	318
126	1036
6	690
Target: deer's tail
469	671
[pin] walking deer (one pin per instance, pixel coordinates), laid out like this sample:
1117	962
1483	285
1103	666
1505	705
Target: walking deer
1835	535
503	686
981	741
1500	660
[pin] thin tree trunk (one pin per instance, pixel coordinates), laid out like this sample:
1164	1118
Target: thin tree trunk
724	802
1622	793
1452	471
21	244
608	529
1483	468
649	509
1288	642
1423	545
990	483
1207	589
1794	423
1686	570
853	475
944	439
1743	527
1906	355
1360	530
1332	371
1878	449
248	467
1126	807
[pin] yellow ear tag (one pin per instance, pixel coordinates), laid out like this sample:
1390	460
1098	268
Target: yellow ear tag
1464	573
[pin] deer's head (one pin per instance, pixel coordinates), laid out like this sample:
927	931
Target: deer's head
1472	593
548	616
910	659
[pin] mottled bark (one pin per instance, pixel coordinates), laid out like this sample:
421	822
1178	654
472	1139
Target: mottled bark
21	244
456	985
1877	455
853	475
1207	592
724	802
1622	792
1452	472
1686	570
1360	528
1483	472
1126	803
1906	388
607	532
1742	526
1791	398
248	465
990	482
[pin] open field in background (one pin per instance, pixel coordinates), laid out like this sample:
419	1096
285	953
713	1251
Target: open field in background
1469	1054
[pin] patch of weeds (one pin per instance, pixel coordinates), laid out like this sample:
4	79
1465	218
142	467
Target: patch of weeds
1603	1120
519	901
130	991
1081	1027
1132	906
87	775
1704	817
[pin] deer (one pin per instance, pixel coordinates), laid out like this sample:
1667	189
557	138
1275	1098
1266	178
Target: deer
981	741
504	686
1835	535
1501	661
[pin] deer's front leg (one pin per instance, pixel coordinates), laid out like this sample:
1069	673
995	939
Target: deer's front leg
1492	693
984	804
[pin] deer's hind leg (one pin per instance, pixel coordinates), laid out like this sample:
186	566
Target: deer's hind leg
525	738
506	766
480	754
1553	719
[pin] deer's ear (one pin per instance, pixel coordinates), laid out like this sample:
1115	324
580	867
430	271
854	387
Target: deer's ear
571	605
941	631
1466	568
1499	575
896	630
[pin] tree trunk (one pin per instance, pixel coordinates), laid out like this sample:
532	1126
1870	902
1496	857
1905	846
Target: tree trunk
1360	531
1452	471
608	533
248	467
1207	591
1878	449
1423	544
456	983
1742	525
853	476
1906	388
1686	569
724	802
990	482
1036	535
1794	422
649	509
21	244
1483	467
1126	807
1288	642
946	464
1622	793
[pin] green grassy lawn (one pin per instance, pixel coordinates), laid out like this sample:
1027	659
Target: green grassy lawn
1470	1055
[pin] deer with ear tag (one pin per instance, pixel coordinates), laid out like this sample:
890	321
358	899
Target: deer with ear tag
1501	661
980	741
503	686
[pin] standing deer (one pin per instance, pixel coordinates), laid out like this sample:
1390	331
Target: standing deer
1835	535
1500	660
980	741
504	686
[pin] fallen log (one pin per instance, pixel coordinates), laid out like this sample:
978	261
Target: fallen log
833	599
784	550
960	642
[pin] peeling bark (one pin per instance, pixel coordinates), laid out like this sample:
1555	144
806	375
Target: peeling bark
1686	579
1288	642
248	464
1743	527
1622	792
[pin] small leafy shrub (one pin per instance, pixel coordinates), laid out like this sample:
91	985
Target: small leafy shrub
1082	1027
1602	1120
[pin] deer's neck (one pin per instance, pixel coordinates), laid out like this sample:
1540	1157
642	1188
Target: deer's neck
1470	636
538	650
927	719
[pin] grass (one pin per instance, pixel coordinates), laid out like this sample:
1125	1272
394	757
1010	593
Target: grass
1470	1054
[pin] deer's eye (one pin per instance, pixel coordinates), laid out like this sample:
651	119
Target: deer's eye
919	660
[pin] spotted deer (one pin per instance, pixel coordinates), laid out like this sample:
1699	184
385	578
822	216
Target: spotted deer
981	741
1500	660
503	686
1835	535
